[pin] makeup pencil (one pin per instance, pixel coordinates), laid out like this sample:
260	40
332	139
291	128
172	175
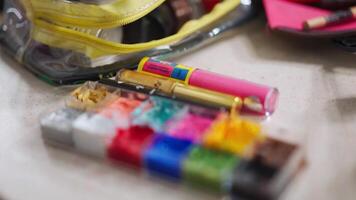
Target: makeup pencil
334	18
186	92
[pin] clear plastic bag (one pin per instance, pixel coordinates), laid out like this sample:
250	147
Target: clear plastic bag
55	54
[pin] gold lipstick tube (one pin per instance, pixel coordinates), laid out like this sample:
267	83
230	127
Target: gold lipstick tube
151	82
206	97
181	91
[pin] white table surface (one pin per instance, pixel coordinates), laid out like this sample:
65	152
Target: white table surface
317	105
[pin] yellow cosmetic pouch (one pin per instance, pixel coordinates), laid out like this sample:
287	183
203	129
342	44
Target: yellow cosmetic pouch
59	36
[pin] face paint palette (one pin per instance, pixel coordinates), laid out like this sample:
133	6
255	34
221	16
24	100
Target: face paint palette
203	147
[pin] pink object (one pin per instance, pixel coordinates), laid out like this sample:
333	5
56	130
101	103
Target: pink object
264	98
190	126
160	68
124	106
283	14
267	96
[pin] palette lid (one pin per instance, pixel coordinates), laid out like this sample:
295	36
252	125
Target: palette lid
288	17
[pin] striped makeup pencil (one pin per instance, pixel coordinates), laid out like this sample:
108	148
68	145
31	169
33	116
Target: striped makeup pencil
337	17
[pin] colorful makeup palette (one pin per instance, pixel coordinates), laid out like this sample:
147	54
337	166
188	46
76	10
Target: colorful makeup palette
199	146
